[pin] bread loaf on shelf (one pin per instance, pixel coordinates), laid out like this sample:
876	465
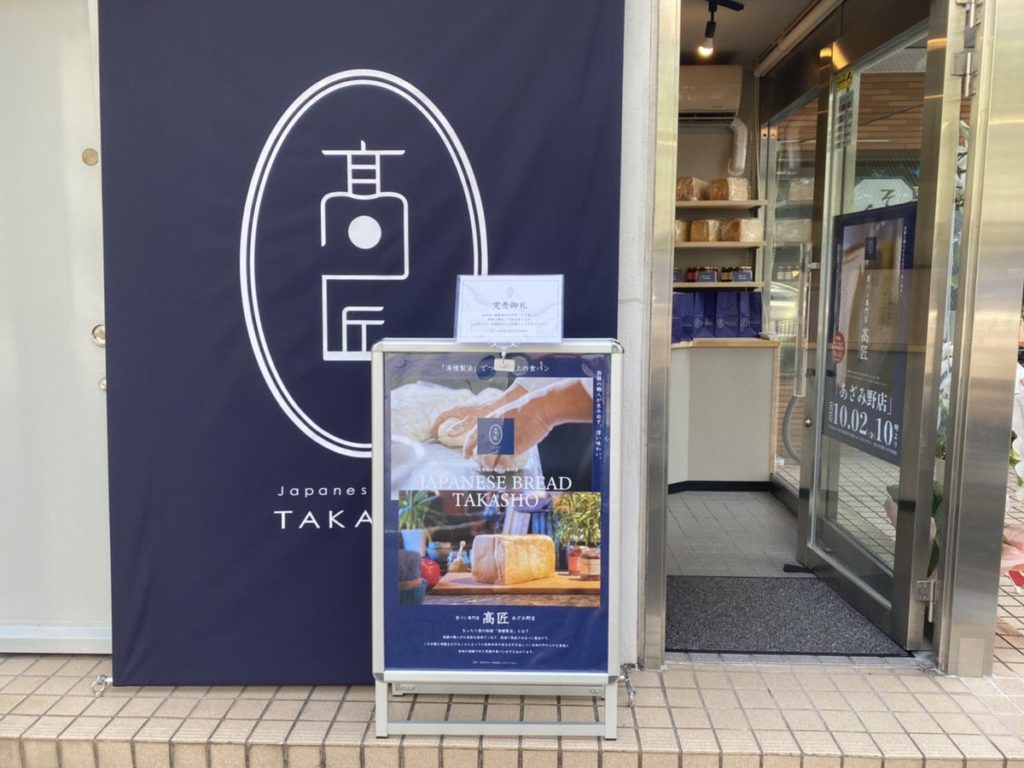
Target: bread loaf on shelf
729	189
682	231
741	231
691	188
507	559
704	230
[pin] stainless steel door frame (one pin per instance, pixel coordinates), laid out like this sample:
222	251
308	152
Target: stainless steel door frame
654	511
992	279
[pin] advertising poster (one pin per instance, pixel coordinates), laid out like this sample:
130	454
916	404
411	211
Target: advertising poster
496	524
866	362
285	184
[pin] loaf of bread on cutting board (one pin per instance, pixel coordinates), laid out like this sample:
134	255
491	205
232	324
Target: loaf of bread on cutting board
506	559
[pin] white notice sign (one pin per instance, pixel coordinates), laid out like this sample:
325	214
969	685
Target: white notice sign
509	309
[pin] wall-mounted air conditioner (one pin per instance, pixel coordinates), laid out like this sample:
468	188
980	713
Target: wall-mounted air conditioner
709	94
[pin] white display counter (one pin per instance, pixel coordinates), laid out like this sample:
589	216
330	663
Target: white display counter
722	410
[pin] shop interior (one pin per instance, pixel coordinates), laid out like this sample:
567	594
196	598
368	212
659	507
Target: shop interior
780	539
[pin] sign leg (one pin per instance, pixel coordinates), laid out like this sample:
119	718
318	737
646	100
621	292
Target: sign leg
381	713
611	710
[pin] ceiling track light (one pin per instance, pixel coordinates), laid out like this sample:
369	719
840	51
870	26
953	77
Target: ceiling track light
707	47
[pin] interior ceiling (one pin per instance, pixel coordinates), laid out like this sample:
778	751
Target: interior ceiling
741	37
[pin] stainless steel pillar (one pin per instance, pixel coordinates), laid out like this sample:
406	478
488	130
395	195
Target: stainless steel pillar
936	209
991	282
652	606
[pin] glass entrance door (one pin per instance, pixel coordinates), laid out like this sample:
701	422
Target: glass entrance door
876	161
872	300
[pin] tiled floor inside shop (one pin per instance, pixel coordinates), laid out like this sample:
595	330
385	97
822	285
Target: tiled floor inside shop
702	711
729	534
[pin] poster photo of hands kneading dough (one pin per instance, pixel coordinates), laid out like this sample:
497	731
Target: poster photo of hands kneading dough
498	508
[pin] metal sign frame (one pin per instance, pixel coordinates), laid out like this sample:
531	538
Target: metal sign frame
584	684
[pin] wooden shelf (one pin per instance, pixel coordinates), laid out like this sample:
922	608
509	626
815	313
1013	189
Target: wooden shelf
719	245
735	285
734	205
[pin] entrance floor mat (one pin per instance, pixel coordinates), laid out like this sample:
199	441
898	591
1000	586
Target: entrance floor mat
728	614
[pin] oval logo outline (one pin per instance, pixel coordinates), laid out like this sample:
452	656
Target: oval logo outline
251	213
496	434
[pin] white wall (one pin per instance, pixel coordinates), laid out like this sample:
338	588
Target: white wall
54	551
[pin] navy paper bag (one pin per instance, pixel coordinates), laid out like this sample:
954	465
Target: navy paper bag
746	316
727	314
693	315
704	315
702	322
682	307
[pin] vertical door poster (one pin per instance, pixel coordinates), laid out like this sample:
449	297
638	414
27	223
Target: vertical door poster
496	523
284	184
871	301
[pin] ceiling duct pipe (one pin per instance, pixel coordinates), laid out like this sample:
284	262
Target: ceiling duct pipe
738	162
795	35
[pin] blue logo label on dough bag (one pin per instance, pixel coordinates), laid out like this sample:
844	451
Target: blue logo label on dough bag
496	436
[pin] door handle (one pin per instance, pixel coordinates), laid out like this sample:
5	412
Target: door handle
808	423
803	319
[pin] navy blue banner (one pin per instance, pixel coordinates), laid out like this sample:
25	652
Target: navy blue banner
496	545
284	184
869	328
